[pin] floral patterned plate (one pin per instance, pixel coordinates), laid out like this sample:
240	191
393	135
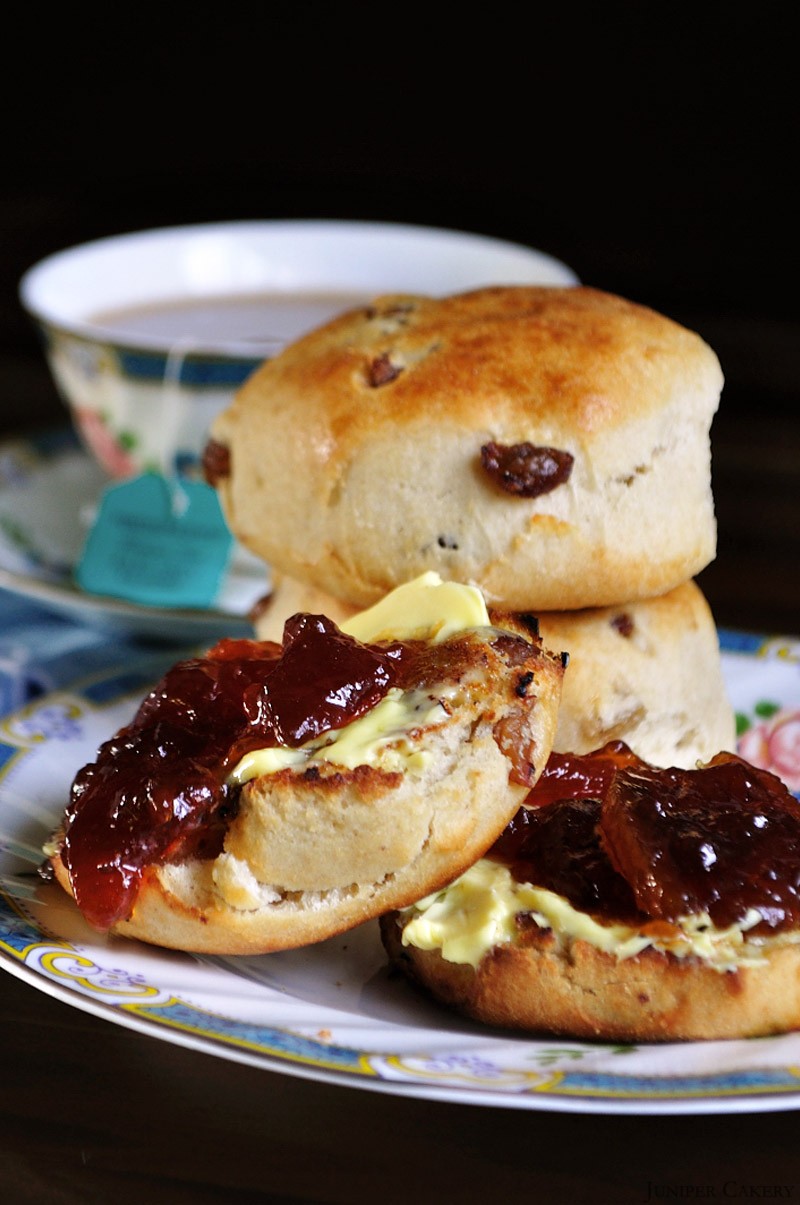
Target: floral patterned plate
331	1012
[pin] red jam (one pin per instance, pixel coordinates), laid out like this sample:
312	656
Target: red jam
557	847
157	791
721	840
627	842
553	840
581	776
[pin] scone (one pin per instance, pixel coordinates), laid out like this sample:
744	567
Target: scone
648	673
639	904
269	796
549	445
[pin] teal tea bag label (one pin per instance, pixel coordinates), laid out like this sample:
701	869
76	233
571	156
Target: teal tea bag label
157	541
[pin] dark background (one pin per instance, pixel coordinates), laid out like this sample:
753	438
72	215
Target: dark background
652	146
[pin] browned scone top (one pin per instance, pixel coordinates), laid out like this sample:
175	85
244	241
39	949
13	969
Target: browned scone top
550	445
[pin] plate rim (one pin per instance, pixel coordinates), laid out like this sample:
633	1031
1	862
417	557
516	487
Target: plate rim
751	1089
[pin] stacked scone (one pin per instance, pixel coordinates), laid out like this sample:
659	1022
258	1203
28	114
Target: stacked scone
587	857
550	446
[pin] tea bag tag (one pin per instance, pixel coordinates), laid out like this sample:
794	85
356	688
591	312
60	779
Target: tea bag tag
157	541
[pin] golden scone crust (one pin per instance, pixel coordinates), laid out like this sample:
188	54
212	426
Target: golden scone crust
648	673
584	992
355	455
311	853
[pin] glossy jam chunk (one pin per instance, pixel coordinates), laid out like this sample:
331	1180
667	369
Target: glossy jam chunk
626	841
553	841
324	679
157	790
558	847
722	840
581	776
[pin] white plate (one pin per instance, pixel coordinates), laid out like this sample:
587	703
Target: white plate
49	487
331	1012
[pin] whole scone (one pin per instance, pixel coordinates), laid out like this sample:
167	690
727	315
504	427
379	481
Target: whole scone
549	445
648	673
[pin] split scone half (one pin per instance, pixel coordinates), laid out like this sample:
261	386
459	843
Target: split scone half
266	796
631	904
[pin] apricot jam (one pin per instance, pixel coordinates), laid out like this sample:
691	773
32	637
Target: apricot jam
157	791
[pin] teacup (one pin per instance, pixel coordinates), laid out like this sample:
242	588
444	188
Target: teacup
149	334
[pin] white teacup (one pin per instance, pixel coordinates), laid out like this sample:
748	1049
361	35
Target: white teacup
148	335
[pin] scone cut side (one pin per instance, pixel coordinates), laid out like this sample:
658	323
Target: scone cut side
317	845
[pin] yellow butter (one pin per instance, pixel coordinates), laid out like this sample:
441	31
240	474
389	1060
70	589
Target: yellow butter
363	742
424	609
478	911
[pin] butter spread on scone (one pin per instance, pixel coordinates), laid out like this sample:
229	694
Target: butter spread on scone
480	910
425	609
266	796
648	673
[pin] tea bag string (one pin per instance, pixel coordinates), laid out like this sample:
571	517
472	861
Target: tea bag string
173	416
177	406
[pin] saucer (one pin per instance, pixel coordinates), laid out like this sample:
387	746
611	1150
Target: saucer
49	487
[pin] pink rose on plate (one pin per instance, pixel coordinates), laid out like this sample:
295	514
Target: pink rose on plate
775	745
